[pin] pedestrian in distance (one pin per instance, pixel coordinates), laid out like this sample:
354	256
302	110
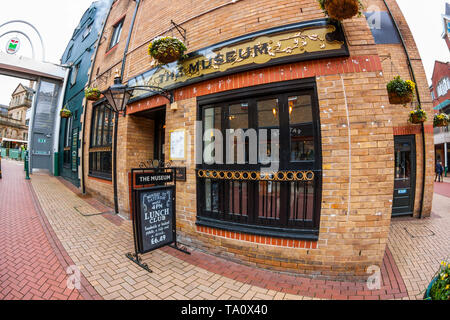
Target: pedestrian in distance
439	172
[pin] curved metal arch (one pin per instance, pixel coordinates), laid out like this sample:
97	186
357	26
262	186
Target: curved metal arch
34	28
25	35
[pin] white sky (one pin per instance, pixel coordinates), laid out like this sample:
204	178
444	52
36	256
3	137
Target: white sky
56	20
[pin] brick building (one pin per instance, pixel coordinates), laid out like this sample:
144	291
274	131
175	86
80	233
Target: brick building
78	54
348	160
13	123
440	93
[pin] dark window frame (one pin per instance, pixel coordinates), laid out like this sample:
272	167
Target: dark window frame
99	150
253	225
115	38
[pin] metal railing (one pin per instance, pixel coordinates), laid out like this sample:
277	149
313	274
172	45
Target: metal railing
289	199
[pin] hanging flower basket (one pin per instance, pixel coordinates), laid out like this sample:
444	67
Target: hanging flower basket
65	113
400	91
441	120
417	116
166	49
92	94
341	9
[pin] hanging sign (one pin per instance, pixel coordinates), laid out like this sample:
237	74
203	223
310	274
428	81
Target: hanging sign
287	44
155	218
75	150
13	45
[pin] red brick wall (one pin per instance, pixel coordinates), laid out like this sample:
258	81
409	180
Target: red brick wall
441	70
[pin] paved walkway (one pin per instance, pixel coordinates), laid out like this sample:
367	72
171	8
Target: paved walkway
442	188
31	266
94	240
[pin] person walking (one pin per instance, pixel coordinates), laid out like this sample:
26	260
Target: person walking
439	172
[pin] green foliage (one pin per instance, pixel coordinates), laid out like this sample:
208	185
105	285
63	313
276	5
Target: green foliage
162	48
400	86
441	287
418	115
92	93
441	119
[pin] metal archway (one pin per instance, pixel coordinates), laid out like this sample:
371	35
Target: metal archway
34	28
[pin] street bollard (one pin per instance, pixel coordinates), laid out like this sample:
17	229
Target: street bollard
27	174
0	166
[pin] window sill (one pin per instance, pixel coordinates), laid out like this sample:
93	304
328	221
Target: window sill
284	233
111	49
100	177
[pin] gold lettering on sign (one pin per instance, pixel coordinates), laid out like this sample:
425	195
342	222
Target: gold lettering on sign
260	50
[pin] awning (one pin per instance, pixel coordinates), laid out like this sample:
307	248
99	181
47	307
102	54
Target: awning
442	105
13	140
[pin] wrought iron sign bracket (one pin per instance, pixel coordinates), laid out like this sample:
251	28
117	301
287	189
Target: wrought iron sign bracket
138	260
180	29
158	90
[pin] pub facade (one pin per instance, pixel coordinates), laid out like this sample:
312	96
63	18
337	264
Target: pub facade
326	161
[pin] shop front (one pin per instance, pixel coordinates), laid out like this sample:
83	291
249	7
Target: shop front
293	159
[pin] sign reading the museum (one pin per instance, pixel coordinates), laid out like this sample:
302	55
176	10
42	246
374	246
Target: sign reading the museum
292	43
155	219
148	178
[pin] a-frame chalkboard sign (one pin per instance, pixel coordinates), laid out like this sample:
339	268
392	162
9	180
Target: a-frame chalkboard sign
153	207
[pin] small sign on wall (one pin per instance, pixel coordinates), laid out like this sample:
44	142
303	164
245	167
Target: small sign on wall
13	45
177	144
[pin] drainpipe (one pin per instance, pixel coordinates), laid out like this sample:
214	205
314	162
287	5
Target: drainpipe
138	2
418	100
83	142
116	124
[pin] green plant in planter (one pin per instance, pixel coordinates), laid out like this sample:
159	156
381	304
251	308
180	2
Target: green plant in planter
341	9
166	49
439	288
418	115
92	94
65	112
441	120
400	91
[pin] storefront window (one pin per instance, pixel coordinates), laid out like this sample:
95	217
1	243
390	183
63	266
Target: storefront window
234	195
301	128
100	153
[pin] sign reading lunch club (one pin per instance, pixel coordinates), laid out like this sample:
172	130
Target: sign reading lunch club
155	219
306	41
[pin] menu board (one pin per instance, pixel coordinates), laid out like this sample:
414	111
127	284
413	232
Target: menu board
178	145
155	219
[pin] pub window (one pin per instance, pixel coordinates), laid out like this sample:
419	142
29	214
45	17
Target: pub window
67	137
117	31
100	156
240	194
74	75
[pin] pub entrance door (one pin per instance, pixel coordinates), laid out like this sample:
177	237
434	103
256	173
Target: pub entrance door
405	175
160	128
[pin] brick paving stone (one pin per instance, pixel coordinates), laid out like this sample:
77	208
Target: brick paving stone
97	244
418	246
26	248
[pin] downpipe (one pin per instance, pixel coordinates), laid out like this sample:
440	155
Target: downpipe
418	100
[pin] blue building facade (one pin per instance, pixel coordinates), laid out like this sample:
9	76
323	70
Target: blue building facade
78	54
